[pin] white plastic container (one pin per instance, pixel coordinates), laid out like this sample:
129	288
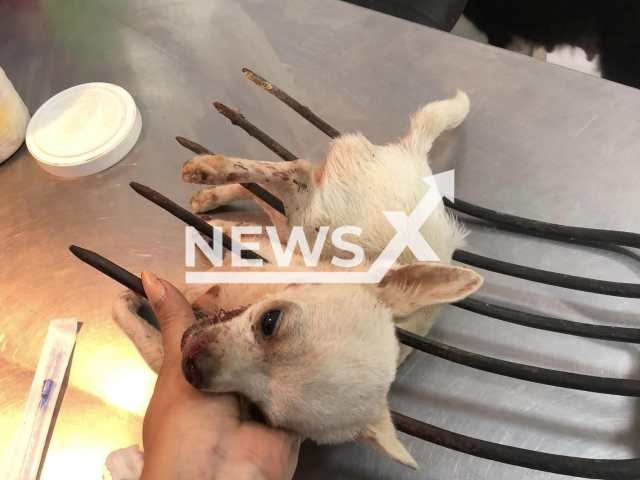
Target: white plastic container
84	130
14	117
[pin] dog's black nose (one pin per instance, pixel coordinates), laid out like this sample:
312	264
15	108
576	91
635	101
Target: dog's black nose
194	366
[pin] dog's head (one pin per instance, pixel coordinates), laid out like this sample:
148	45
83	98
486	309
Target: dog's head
316	359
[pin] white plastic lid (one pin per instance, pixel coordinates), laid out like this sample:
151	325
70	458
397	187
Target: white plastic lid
84	130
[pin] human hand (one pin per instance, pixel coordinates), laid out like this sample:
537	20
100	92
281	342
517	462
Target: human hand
188	434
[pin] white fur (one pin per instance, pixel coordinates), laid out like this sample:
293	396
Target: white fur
326	371
124	464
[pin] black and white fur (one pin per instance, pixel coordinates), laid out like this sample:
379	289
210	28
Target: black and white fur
609	29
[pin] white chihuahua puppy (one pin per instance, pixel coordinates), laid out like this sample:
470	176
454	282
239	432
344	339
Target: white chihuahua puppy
319	359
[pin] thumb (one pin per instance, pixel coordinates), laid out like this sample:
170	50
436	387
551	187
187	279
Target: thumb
173	312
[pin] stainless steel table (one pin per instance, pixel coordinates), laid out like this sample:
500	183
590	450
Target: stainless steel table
540	141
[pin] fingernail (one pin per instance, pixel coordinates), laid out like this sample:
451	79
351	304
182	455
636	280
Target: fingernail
154	288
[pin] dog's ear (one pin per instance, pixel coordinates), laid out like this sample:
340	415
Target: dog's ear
381	435
409	288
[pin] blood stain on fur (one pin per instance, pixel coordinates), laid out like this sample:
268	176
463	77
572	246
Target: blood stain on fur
238	165
318	174
234	177
301	186
281	175
203	174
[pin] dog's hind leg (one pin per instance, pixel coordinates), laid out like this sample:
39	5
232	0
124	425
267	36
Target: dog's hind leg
292	182
287	180
214	197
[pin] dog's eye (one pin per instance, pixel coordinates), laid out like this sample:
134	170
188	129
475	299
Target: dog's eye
269	322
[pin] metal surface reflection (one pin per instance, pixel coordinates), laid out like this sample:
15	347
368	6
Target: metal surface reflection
540	142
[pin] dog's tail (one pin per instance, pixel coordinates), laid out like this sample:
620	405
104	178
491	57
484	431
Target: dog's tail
433	119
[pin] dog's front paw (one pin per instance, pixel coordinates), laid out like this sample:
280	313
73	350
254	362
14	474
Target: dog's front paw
124	464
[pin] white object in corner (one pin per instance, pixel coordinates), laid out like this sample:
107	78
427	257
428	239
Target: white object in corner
41	402
84	130
14	117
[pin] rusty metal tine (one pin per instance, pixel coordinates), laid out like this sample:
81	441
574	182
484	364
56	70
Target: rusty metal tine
110	269
626	469
193	146
239	120
189	218
550	324
291	102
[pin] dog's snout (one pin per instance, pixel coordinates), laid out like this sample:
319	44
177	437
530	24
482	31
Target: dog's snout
191	372
195	367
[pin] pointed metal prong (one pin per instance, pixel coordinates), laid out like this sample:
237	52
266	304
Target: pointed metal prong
239	120
193	146
189	218
110	269
266	196
291	102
